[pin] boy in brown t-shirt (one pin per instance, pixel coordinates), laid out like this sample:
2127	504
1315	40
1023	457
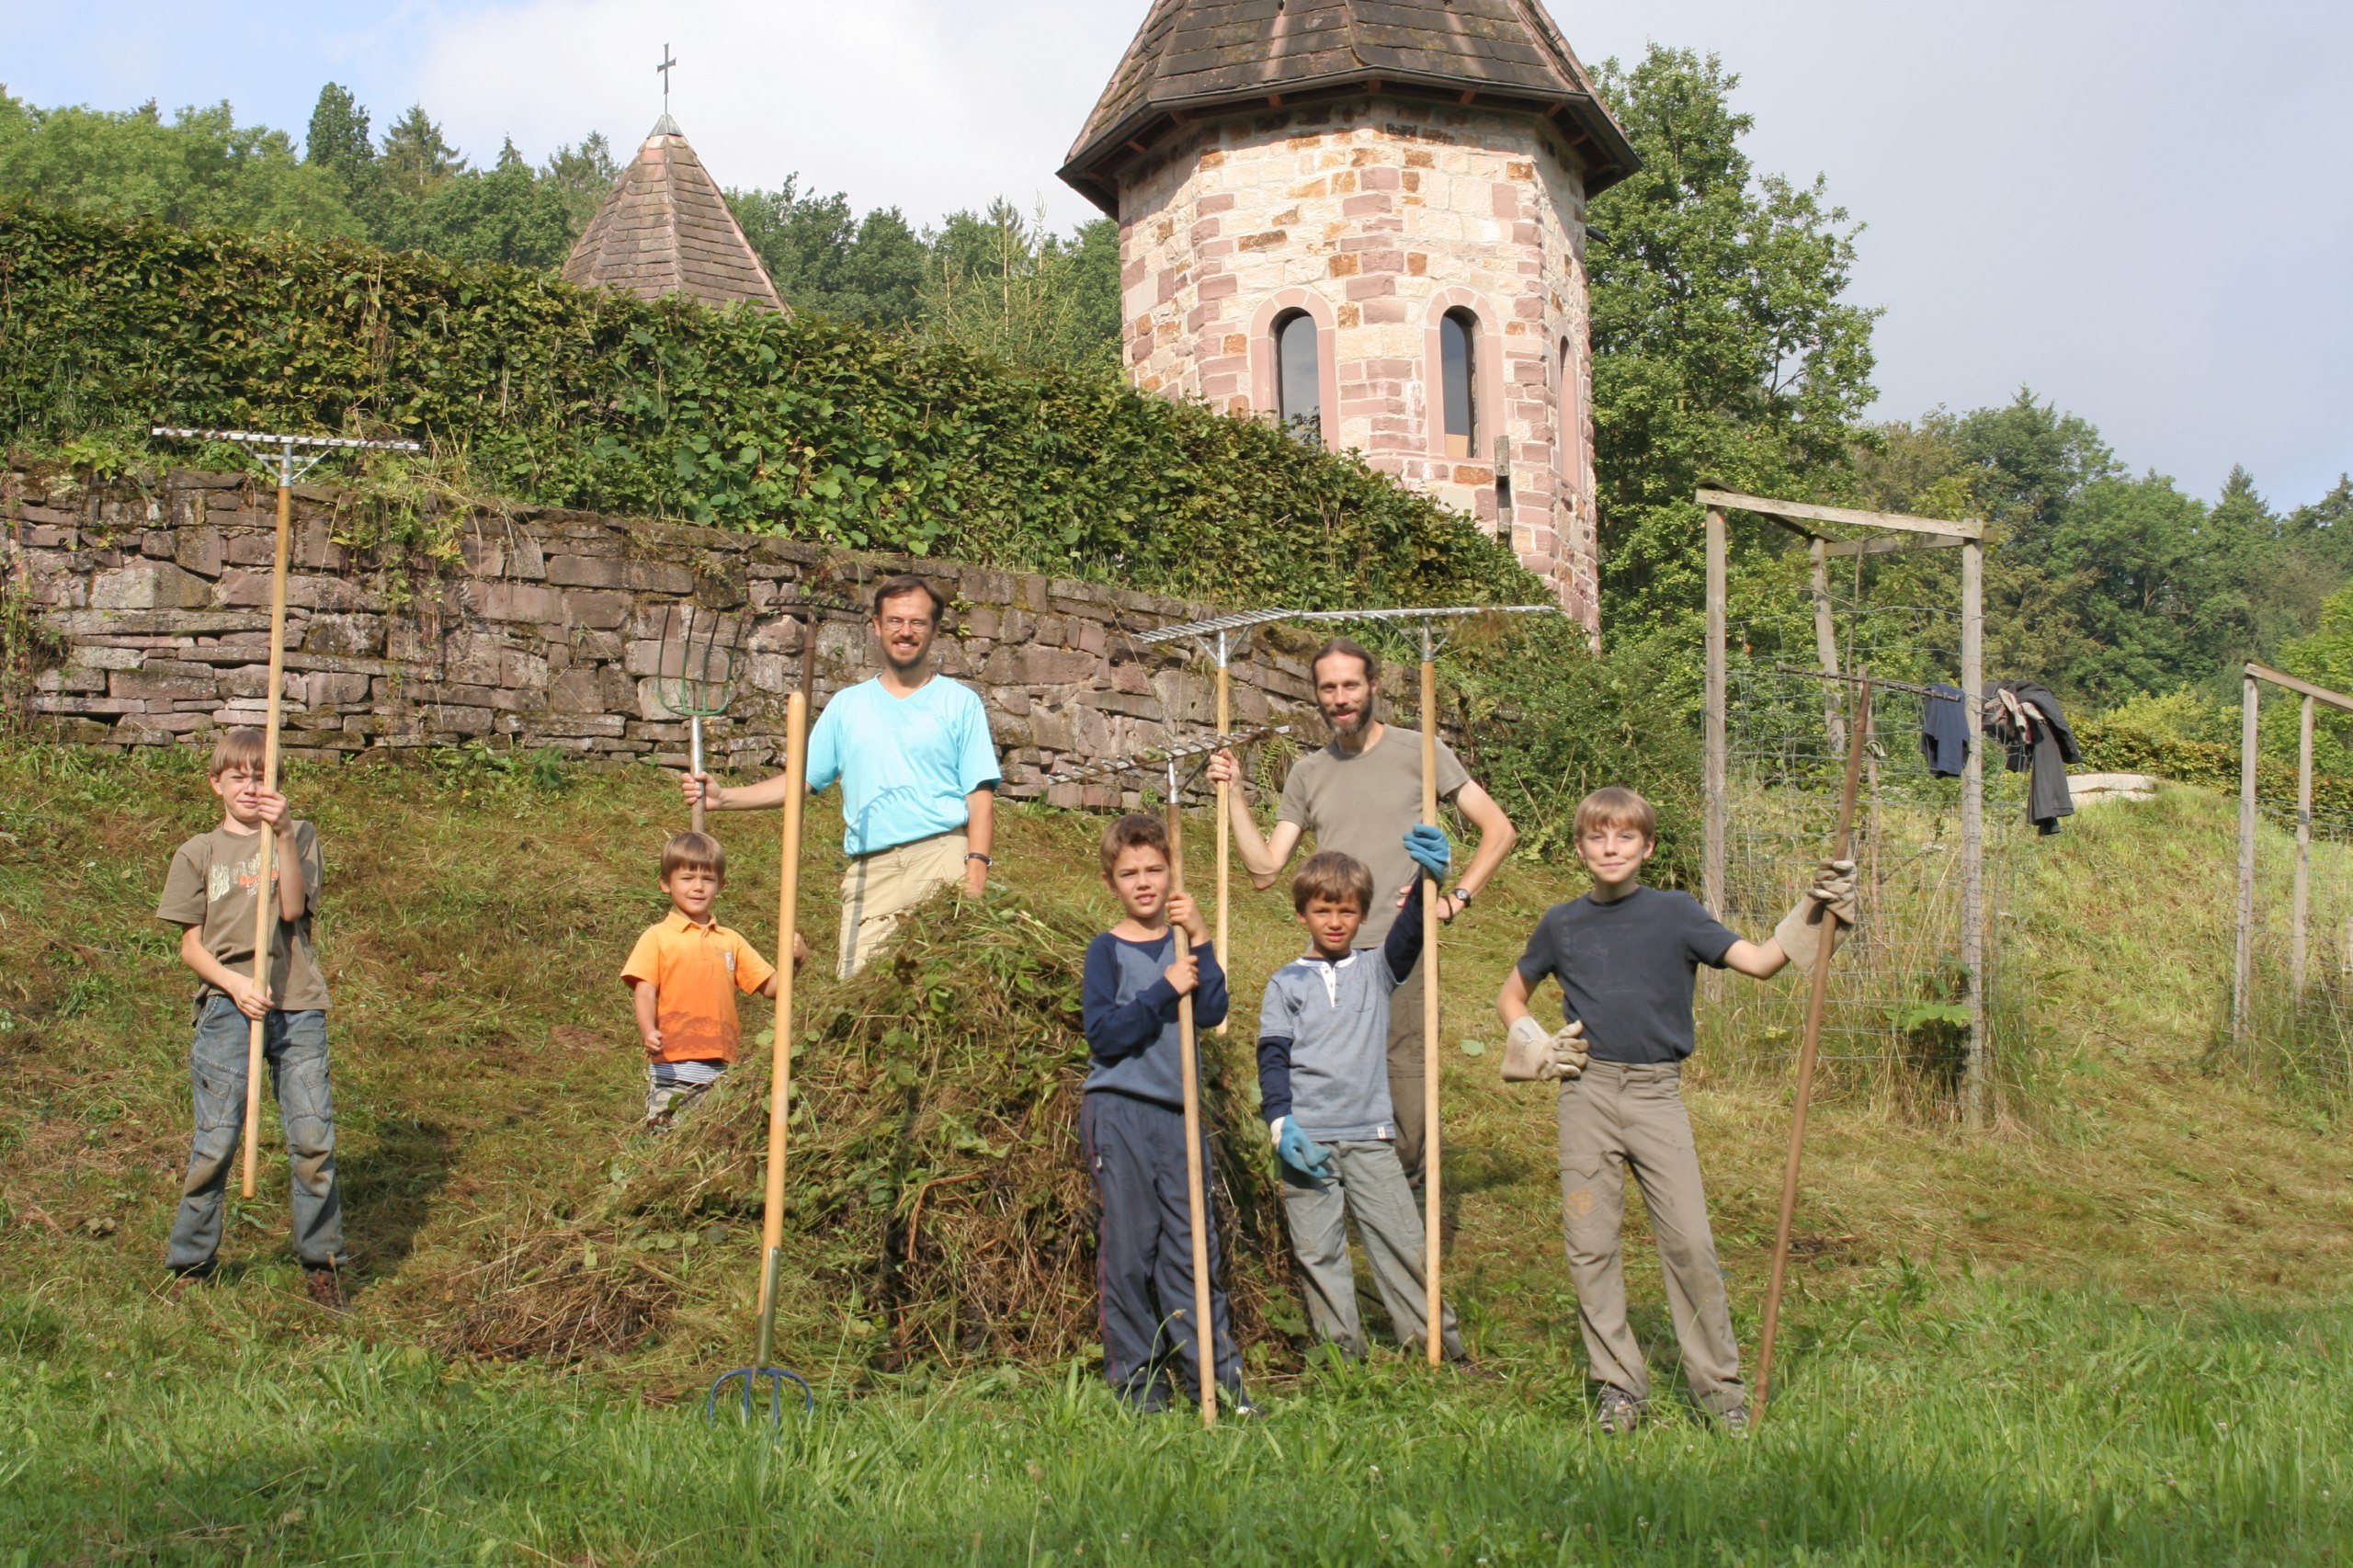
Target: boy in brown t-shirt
683	973
210	894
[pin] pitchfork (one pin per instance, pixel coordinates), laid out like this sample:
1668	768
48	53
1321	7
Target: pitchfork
695	676
762	1371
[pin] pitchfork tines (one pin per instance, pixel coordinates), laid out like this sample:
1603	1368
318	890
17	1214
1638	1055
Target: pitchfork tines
694	679
761	1373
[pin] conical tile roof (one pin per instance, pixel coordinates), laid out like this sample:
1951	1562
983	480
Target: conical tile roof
1197	56
666	228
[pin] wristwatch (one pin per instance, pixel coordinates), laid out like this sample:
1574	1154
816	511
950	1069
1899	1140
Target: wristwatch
984	859
1462	896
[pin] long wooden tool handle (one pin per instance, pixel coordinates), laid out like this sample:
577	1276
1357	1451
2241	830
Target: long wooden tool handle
1225	826
1196	1179
1817	996
788	915
694	766
264	900
1431	1140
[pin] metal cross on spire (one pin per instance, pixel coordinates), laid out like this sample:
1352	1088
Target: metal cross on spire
670	61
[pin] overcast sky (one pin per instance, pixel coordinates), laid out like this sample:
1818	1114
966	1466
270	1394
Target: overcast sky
2143	209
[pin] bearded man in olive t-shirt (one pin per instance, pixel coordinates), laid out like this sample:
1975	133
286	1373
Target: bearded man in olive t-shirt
1358	795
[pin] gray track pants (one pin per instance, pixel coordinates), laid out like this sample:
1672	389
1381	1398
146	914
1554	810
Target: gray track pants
1370	1185
1619	1118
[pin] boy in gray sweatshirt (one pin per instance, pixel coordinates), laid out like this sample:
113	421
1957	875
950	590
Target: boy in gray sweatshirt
1324	1083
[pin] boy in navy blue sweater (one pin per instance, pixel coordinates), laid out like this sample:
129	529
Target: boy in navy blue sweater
1132	1125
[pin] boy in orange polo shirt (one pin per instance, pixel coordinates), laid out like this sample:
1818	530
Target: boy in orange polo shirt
684	973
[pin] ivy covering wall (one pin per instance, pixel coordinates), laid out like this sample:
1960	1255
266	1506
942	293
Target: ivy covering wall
537	392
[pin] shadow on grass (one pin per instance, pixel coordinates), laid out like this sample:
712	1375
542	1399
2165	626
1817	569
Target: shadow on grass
389	1185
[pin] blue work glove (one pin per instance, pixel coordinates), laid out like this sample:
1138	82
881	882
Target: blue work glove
1300	1153
1429	849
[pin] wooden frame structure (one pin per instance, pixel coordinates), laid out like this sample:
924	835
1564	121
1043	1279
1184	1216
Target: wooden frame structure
1886	532
2300	899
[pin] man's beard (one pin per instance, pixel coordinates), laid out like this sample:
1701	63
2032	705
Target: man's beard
1349	735
891	657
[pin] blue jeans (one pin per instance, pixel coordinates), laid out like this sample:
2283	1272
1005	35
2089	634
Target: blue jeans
295	1046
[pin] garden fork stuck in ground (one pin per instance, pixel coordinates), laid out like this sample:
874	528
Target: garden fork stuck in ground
695	676
761	1373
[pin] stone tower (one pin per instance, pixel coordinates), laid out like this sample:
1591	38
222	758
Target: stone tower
1365	218
666	228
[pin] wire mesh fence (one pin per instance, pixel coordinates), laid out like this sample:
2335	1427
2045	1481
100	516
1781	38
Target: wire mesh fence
2298	1007
1898	1020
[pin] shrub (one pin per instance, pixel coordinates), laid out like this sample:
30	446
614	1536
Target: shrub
808	428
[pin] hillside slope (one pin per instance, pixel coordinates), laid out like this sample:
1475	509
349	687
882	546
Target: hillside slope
487	1075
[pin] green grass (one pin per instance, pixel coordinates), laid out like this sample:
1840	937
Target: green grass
2110	1331
1965	1424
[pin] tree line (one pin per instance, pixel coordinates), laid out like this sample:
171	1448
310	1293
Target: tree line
1728	349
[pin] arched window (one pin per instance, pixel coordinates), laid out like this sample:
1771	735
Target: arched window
1298	375
1458	340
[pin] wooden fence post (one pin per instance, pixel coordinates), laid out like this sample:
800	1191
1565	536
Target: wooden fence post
1715	768
1826	646
2300	904
2243	958
1972	823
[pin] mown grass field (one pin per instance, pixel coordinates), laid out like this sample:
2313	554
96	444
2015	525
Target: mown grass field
2113	1330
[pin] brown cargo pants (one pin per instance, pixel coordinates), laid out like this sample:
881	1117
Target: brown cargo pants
1619	1117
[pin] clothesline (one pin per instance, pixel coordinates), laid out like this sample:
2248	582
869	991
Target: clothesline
1951	694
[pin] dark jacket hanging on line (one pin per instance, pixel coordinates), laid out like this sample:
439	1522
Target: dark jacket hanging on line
2025	717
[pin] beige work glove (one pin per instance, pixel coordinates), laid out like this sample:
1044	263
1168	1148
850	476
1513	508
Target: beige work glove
1831	897
1527	1048
1570	1053
1533	1056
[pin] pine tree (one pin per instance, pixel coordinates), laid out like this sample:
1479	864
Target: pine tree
416	158
338	134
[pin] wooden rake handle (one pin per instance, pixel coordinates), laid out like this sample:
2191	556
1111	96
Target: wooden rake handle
264	900
796	775
1817	998
1196	1177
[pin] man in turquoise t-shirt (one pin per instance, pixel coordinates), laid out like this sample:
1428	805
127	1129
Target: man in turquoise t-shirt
919	774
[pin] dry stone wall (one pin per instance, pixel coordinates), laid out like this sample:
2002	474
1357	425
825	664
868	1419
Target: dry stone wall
152	610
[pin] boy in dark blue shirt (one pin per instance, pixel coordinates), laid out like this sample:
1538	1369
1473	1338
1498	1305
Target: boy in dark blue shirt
1627	958
1131	1125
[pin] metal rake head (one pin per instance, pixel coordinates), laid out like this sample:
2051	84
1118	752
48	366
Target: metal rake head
696	675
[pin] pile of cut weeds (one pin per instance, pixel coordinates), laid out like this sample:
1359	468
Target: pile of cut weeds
933	1175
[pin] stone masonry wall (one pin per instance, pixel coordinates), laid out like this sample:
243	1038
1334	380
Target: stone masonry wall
154	611
1377	217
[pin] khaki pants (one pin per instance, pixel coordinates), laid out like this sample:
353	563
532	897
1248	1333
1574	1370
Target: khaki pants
1615	1119
879	889
1366	1184
1407	1080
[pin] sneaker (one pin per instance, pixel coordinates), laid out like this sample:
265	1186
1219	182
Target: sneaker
1618	1412
325	1286
1239	1405
186	1279
1733	1423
